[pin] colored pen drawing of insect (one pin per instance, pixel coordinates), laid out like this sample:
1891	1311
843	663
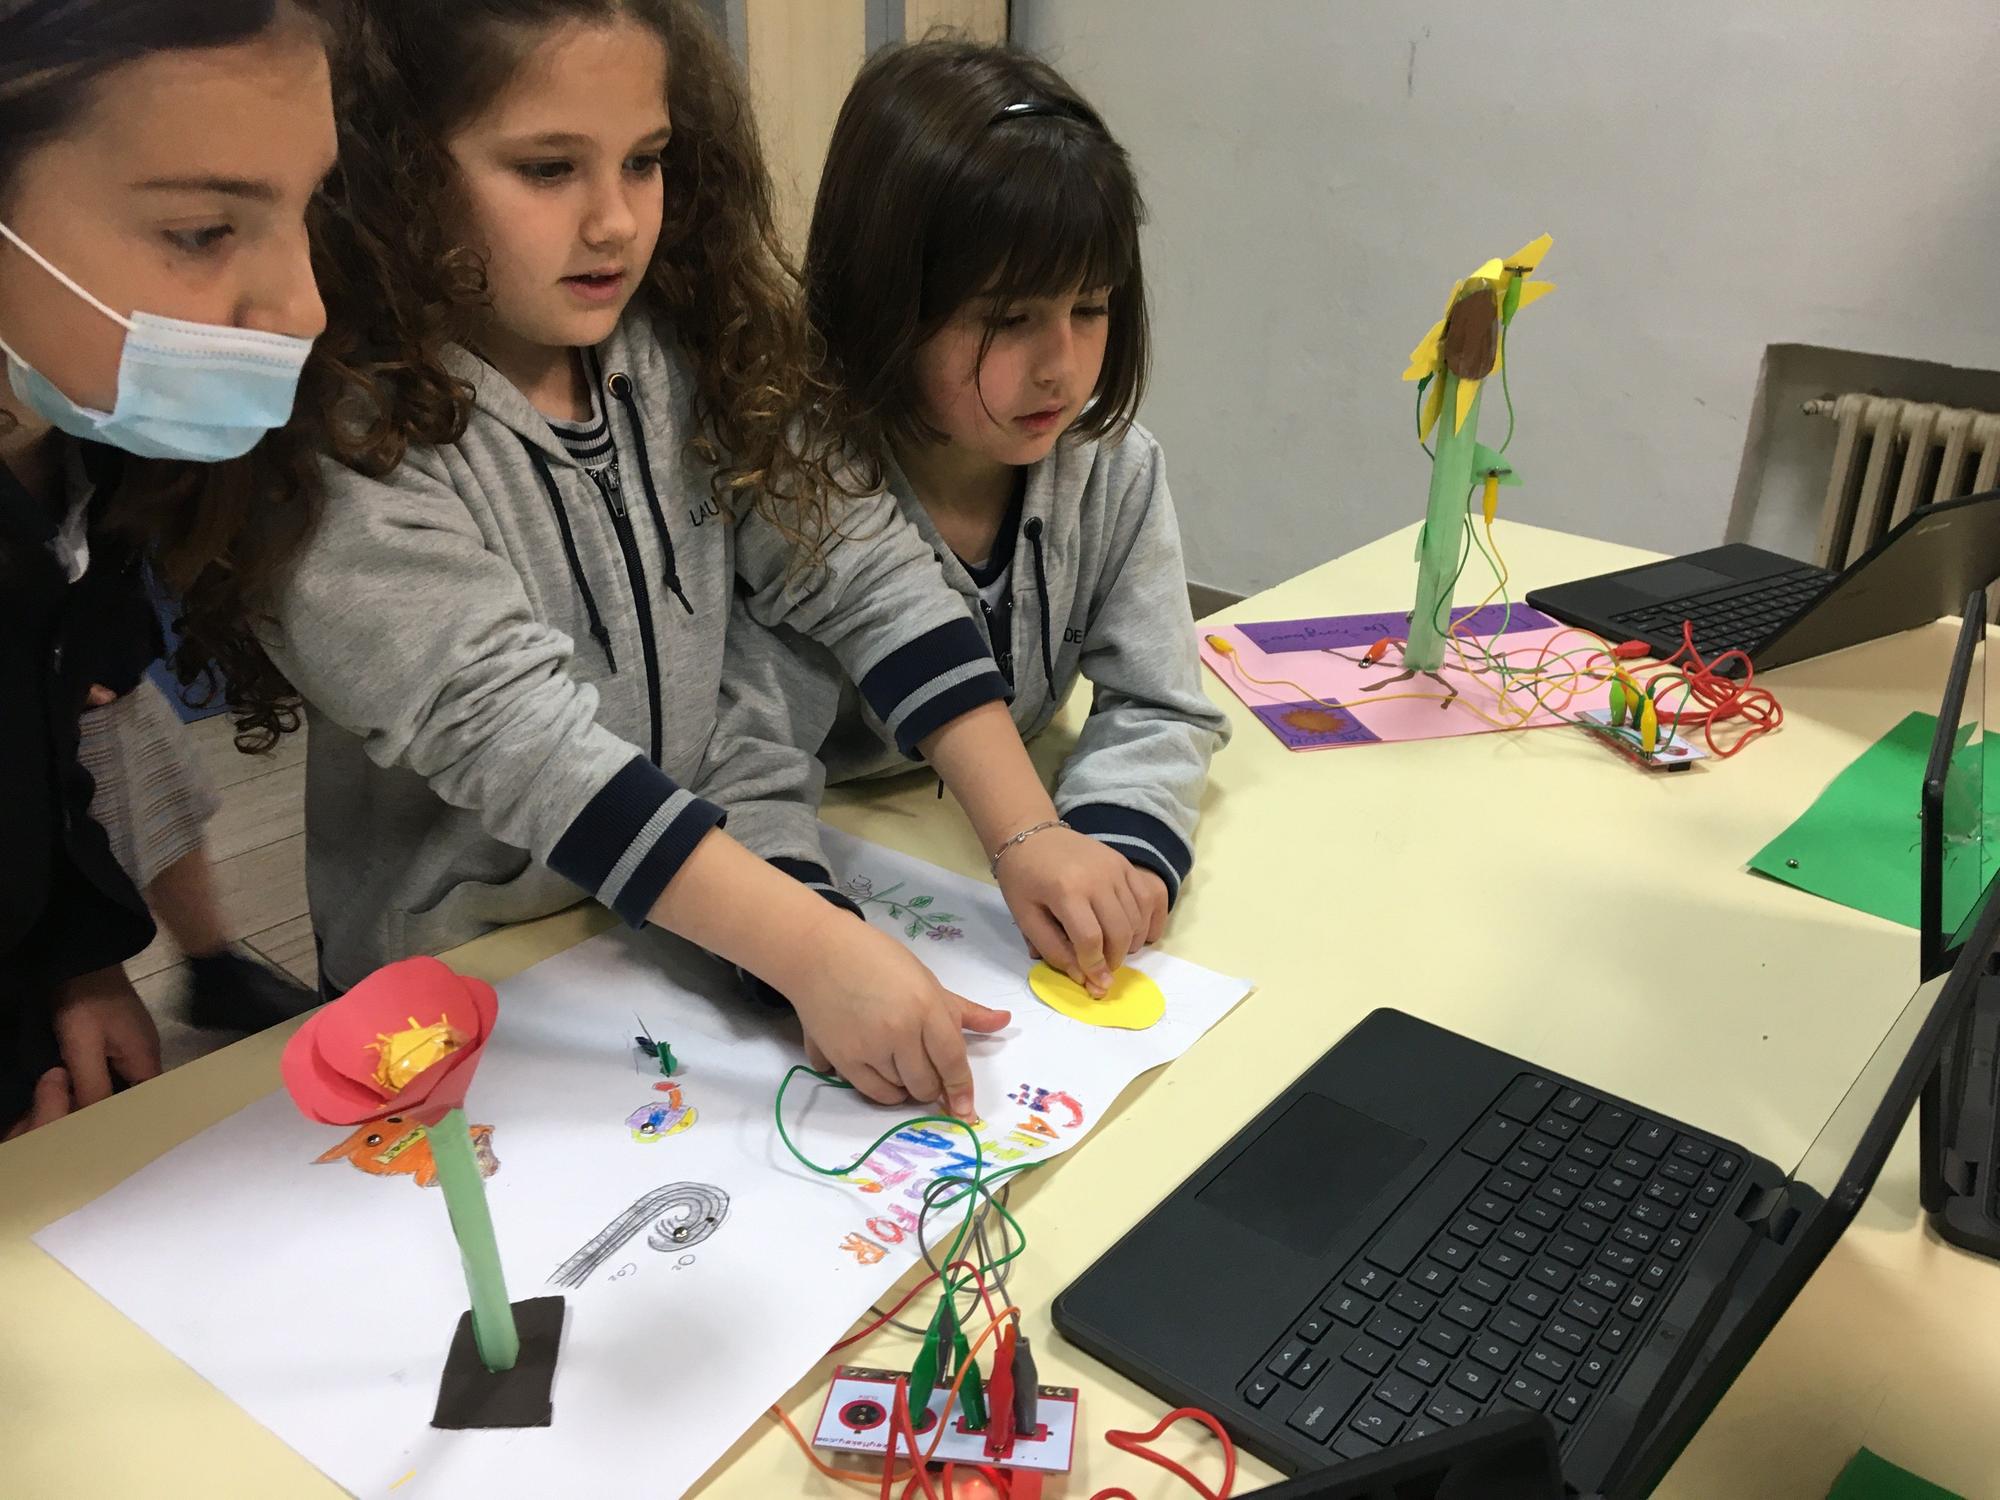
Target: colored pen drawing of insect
918	913
660	1118
681	1216
1406	675
394	1147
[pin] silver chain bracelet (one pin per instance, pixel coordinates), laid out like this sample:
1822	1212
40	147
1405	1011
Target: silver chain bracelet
993	865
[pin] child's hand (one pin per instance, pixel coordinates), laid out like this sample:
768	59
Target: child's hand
872	1010
1151	893
51	1102
102	1025
1074	902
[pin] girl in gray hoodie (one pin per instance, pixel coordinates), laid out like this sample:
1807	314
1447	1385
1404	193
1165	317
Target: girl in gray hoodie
571	481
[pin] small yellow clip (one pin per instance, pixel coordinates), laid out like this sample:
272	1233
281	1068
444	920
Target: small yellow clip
1649	726
1492	501
1220	643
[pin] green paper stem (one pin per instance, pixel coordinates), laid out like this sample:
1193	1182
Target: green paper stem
1444	531
493	1328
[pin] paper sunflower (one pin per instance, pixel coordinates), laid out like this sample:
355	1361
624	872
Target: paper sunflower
1467	341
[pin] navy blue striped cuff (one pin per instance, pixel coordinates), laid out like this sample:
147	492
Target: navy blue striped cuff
1140	837
632	838
924	684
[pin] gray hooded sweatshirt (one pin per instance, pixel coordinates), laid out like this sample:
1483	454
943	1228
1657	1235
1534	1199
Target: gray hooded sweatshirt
513	667
1099	591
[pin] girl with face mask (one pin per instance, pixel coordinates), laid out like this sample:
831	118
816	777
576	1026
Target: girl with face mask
157	161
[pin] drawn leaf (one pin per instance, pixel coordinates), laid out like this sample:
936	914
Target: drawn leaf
919	902
913	929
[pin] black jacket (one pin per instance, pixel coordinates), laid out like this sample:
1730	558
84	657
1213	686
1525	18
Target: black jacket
66	908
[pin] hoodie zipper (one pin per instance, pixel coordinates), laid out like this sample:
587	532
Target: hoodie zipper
610	487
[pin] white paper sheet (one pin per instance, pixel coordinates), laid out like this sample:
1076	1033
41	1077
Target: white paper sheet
321	1298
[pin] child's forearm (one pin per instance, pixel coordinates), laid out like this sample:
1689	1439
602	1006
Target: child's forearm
979	755
740	908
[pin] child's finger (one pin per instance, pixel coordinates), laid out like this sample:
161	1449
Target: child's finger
1086	941
871	1083
972	1016
89	1068
1048	943
51	1102
946	1046
914	1068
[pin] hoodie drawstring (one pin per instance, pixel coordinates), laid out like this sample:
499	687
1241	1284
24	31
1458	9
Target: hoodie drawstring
620	386
598	632
1034	534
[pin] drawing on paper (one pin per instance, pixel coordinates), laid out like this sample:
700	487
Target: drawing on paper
396	1147
917	911
680	1215
659	1118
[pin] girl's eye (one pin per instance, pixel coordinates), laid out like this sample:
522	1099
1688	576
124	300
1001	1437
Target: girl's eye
544	171
1007	320
1094	310
199	241
643	165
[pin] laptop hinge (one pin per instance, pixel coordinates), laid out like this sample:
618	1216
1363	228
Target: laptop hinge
1770	1210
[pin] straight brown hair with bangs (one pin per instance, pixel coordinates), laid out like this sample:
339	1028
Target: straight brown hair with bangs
960	170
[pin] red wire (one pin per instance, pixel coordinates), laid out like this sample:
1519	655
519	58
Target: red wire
1131	1442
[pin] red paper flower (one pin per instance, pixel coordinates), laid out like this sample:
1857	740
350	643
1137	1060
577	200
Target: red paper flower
403	1041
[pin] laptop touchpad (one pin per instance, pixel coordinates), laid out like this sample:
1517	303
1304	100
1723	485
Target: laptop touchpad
1672	580
1312	1171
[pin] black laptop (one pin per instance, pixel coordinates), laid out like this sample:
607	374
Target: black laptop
1371	1267
1777	610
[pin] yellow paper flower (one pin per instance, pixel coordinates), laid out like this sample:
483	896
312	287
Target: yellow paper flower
403	1055
1503	280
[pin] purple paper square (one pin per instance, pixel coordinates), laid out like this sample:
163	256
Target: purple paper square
1358	632
1311	726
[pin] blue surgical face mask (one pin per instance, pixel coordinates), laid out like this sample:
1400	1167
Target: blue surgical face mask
195	391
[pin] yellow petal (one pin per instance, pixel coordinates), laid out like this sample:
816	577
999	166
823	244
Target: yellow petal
1533	291
1468	392
1530	255
1433	404
1424	358
1491	271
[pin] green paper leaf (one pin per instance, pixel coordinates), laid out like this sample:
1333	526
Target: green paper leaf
1487	460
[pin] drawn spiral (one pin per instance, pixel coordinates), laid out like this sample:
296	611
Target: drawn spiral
682	1215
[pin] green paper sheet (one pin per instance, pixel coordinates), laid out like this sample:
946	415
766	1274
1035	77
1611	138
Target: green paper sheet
1869	1477
1858	843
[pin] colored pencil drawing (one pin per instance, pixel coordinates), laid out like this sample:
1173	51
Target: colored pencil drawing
659	1118
677	1217
395	1147
922	920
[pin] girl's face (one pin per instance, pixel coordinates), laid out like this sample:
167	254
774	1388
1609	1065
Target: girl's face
1039	372
182	191
561	177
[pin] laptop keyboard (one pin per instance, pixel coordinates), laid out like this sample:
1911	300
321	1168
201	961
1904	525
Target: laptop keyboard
1736	618
1520	1273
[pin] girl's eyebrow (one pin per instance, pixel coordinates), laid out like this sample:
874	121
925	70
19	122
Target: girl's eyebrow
228	187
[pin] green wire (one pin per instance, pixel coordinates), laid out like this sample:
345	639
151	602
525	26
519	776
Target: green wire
1506	391
1421	388
1438	616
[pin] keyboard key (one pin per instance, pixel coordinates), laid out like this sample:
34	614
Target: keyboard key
1365	1354
1631	1163
1527	1098
1636	1236
1659	1190
1417	1220
1495	1354
1370	1281
1453	1254
1486	1206
1427	1365
1377	1423
1313	1326
1530	1390
1474	1380
1578	1174
1621	1185
1410	1304
1586	1309
1281	1363
1350	1308
1592	1368
1493	1139
1503	1260
1601	1285
1673	1244
1509	1324
1727	1164
1652	1215
1569	1250
1533	1299
1614	1336
1685	1173
1404	1395
1562	1127
1656	1276
1576	1104
1543	1216
1687	1148
1567	1336
1351	1444
1431	1278
1484	1285
1504	1185
1306	1371
1547	1361
1446	1338
1692	1219
1474	1231
1594	1152
1327	1404
1624	1262
1552	1274
1708	1194
1316	1418
1600	1205
1468	1312
1547	1147
1556	1189
1584	1227
1570	1406
1650	1139
1425	1426
1609	1125
1521	1237
1524	1166
1635	1304
1450	1409
1258	1391
1390	1329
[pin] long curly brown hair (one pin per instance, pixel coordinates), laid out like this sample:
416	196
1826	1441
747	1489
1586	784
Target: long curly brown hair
399	290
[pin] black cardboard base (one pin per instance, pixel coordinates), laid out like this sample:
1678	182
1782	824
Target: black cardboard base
470	1395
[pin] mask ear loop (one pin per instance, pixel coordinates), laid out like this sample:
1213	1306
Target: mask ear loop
64	277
